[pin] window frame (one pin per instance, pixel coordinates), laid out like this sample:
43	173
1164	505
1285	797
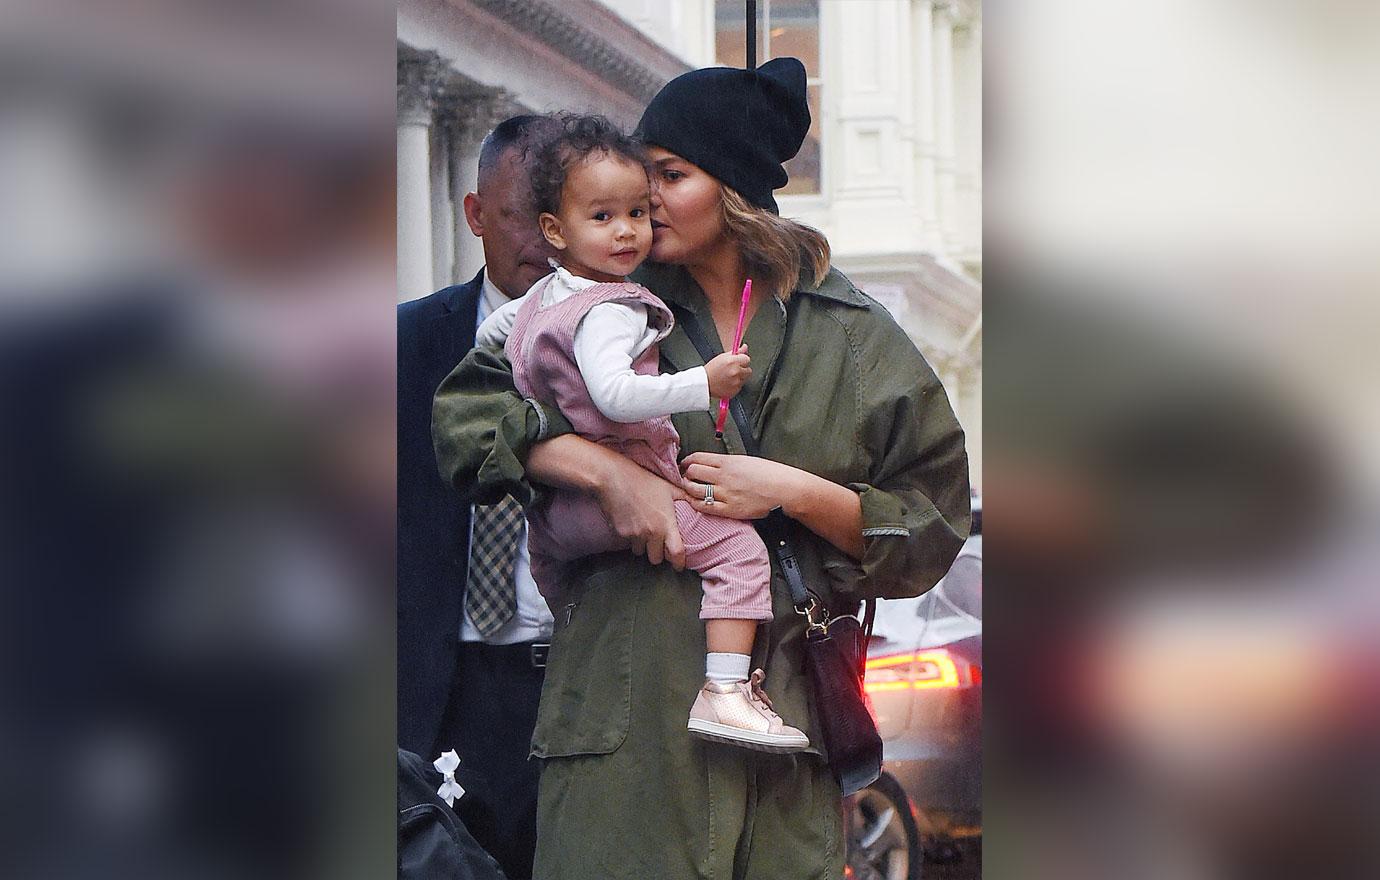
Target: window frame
817	199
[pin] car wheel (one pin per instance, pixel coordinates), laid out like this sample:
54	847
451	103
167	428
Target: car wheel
883	841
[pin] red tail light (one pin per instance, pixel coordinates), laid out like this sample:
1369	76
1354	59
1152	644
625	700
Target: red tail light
915	670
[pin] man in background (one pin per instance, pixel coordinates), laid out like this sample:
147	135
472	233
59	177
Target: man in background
472	629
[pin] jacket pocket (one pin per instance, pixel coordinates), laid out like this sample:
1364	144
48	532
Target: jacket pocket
586	699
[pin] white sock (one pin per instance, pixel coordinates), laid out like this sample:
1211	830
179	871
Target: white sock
726	668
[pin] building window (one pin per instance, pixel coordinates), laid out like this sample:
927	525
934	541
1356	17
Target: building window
784	28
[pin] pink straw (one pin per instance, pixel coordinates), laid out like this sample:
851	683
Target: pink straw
737	341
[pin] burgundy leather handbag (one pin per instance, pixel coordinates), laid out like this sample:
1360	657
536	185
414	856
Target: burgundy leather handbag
835	659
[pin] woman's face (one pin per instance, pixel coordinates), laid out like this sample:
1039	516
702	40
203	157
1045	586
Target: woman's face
686	221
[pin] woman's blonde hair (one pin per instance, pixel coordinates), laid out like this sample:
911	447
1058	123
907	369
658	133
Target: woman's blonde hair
774	250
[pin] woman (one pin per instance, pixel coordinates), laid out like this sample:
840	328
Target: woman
861	450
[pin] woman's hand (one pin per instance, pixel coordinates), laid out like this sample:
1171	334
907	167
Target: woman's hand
641	508
745	487
639	505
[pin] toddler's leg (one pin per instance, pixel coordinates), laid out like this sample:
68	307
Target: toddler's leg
732	562
568	526
549	573
729	641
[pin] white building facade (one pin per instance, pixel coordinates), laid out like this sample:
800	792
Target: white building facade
891	171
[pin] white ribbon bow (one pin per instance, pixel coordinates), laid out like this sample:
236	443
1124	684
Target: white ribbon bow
445	765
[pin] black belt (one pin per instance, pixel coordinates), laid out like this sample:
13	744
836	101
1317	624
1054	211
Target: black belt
533	653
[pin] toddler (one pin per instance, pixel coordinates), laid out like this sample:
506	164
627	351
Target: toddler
586	339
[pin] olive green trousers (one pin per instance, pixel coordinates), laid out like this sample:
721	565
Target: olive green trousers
628	794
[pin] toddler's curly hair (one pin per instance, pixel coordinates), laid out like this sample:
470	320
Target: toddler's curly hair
579	136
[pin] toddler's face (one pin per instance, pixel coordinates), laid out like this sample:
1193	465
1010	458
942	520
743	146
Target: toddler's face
604	228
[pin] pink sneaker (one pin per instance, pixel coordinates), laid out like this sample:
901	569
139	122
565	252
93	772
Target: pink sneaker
741	715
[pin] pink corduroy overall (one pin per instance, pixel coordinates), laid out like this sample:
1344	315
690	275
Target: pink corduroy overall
728	553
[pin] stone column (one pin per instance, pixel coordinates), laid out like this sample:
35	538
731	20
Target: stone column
922	57
415	102
469	116
968	136
944	117
442	214
464	178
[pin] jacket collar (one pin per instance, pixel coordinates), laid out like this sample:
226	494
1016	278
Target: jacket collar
674	285
460	292
836	287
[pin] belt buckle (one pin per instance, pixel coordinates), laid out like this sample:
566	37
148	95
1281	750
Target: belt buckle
539	652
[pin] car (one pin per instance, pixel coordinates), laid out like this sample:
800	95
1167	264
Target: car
924	685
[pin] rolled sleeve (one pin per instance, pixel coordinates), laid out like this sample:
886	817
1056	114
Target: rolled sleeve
908	545
483	429
916	508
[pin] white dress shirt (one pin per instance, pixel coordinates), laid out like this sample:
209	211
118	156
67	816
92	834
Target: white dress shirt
532	621
608	339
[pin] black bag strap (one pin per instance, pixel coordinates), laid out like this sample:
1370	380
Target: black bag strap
775	526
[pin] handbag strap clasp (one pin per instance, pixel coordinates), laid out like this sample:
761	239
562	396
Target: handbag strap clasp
816	616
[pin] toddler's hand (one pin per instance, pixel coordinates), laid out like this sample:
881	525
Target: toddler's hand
728	373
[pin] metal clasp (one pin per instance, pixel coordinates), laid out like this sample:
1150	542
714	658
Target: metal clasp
816	616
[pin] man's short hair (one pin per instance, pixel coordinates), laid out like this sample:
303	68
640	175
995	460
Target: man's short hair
516	131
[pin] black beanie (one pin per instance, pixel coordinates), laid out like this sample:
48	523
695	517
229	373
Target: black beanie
738	125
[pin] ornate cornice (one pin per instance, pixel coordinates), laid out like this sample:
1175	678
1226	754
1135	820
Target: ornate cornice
590	50
431	93
945	10
963	13
419	77
469	111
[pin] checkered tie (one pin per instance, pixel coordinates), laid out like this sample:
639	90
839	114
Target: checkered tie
490	595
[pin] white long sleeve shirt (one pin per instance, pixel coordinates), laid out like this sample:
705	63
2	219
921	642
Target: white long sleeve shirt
607	341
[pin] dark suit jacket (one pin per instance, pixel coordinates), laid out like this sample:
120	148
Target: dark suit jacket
434	334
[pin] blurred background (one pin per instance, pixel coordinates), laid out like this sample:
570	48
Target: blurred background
197	432
1181	437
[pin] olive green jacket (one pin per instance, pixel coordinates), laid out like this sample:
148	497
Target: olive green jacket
852	400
